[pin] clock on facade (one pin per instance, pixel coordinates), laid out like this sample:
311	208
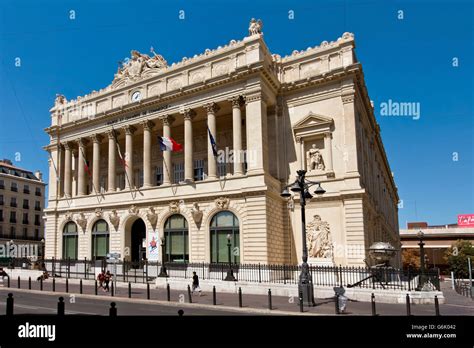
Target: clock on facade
136	96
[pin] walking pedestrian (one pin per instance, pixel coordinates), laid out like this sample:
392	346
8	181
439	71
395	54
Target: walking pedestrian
101	279
107	279
196	284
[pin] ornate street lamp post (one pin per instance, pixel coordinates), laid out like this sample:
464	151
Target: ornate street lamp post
230	272
301	185
163	272
42	249
420	236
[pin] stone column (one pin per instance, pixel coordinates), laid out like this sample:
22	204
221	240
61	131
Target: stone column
350	132
328	148
67	170
111	185
298	152
211	109
81	170
237	103
147	129
188	145
257	139
167	122
96	139
129	130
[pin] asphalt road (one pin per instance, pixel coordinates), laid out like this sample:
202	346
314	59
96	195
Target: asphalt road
33	303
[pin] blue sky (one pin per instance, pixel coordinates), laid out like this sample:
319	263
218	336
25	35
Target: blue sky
408	60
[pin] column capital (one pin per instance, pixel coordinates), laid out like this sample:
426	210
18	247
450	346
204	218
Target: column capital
211	108
67	145
129	129
237	101
188	114
256	96
112	133
328	135
148	125
82	142
96	138
167	120
298	139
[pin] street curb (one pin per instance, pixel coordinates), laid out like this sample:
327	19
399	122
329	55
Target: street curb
170	304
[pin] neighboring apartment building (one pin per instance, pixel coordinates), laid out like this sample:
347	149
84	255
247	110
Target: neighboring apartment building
22	196
309	110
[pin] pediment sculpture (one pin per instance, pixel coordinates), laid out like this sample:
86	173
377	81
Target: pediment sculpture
197	213
255	27
114	219
82	221
222	202
152	217
318	239
138	66
314	159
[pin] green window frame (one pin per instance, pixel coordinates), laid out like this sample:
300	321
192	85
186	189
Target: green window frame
70	241
176	239
223	224
100	240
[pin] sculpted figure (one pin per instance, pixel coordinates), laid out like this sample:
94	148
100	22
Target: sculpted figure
318	239
255	27
315	159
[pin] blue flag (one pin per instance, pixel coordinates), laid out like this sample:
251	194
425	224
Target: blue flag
213	142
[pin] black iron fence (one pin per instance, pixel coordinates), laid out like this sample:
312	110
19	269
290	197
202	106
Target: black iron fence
463	287
146	271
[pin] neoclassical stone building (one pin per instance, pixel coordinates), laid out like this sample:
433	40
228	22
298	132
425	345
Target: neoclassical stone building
269	117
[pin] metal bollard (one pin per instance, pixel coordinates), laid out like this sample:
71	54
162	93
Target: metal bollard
436	305
80	286
129	290
61	306
372	300
240	297
113	310
408	305
29	283
95	291
10	305
214	296
301	301
41	283
269	299
67	285
54	284
112	289
190	297
147	291
168	292
180	312
8	282
338	311
19	286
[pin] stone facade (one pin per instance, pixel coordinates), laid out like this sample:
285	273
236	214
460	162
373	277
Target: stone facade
309	110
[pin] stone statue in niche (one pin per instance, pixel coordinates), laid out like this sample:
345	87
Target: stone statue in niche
315	159
318	239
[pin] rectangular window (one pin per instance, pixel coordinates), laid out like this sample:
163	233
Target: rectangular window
25	233
139	178
221	169
100	245
1	215
177	246
1	200
26	189
14	187
2	184
26	204
37	205
69	246
178	172
102	183
12	232
13	202
219	248
38	191
37	233
25	218
159	175
198	170
37	220
12	217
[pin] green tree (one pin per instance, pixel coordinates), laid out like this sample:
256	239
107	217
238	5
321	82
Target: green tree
456	257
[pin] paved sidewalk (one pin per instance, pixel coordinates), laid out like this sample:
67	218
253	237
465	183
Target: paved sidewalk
455	304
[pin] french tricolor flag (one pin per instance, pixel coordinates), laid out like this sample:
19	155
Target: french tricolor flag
169	144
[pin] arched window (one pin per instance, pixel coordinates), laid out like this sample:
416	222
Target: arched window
225	224
70	241
100	239
176	239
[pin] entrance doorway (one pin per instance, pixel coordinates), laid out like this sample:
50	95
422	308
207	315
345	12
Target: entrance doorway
138	244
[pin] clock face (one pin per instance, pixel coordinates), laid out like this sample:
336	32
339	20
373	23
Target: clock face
136	96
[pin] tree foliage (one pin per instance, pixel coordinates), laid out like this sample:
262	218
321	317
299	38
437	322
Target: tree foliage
456	256
411	258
